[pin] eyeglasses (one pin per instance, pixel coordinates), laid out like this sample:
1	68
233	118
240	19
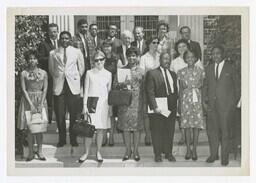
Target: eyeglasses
155	42
99	59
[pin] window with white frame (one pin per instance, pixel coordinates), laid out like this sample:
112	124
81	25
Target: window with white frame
149	24
104	21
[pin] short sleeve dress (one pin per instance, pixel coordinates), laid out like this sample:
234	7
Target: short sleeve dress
191	104
130	118
34	82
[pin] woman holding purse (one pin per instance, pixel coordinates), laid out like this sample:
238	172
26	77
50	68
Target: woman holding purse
130	118
97	86
34	83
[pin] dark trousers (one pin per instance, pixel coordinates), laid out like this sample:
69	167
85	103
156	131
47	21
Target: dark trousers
49	98
218	125
162	132
66	100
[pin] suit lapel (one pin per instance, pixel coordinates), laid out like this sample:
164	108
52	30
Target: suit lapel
59	57
50	44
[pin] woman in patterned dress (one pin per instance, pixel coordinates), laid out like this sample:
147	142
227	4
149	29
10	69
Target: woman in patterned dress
130	118
34	83
191	80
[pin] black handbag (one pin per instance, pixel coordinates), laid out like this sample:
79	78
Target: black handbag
84	128
120	97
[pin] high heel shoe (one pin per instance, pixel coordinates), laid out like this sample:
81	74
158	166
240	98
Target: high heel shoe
127	156
137	157
188	156
194	156
82	160
40	157
99	159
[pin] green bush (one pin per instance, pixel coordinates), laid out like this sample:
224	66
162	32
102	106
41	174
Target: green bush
29	32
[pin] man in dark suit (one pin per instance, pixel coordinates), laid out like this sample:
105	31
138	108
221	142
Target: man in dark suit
221	93
112	32
139	42
51	42
162	82
185	33
94	42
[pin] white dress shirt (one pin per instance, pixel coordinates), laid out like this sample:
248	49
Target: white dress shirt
221	64
169	77
148	62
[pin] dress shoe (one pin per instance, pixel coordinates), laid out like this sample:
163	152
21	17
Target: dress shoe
40	157
158	159
211	159
171	158
61	144
29	158
224	162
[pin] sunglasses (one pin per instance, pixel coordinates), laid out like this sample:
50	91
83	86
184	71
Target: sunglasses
155	42
99	59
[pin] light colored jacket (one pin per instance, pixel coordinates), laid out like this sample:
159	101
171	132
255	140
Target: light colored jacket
72	70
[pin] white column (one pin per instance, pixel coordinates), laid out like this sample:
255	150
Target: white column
64	22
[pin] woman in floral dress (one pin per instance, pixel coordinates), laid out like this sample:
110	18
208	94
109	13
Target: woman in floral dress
191	80
34	85
130	118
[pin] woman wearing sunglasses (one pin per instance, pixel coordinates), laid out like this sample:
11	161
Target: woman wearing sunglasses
97	85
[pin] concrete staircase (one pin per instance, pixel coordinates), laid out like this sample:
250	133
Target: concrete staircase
67	156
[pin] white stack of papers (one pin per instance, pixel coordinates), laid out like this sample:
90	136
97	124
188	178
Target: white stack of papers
162	105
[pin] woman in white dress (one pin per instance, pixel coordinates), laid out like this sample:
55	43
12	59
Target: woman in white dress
97	84
178	63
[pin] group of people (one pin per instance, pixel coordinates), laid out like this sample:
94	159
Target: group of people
64	73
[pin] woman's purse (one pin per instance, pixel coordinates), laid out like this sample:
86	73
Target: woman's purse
84	128
120	97
37	122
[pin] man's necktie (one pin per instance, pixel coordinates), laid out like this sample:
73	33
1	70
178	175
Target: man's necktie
217	72
85	46
65	56
140	47
167	82
54	44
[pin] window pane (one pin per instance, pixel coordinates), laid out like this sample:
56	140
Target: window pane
103	23
149	23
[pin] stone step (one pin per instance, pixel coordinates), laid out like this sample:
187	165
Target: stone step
50	150
71	161
52	138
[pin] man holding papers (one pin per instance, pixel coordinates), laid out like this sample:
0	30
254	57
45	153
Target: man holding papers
162	94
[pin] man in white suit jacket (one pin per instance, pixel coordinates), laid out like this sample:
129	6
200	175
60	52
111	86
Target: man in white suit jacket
66	65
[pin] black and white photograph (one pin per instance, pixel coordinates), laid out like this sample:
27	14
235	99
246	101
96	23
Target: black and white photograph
128	90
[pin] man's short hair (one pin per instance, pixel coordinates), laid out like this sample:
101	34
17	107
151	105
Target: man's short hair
185	27
220	47
138	27
112	25
81	22
53	25
66	32
93	25
164	24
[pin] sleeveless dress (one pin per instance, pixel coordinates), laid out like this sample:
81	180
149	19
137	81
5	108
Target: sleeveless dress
191	104
98	87
130	118
34	83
